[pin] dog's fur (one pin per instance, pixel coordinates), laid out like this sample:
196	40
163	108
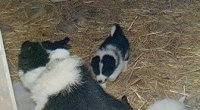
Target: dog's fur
60	81
167	104
112	56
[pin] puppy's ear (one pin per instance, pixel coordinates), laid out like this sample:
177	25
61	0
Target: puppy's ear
95	60
109	65
109	61
116	30
95	64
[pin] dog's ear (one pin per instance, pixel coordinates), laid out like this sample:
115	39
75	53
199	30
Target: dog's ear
31	56
65	42
62	43
57	44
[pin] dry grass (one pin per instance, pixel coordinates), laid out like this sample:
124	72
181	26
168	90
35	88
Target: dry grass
164	37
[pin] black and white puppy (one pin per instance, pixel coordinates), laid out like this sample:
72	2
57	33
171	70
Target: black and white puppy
112	56
59	81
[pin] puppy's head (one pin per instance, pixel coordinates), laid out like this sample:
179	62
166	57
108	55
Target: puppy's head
103	68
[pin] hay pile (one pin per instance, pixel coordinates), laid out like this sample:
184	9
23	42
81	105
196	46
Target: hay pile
164	37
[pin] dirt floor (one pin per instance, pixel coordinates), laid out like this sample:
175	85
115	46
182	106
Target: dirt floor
164	37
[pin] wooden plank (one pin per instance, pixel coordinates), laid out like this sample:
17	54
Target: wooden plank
7	99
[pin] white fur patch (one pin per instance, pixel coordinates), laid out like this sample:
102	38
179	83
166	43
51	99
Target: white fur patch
103	85
111	47
167	104
30	77
58	54
113	29
100	70
101	77
125	66
20	72
61	73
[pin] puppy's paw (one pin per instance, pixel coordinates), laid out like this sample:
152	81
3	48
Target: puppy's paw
112	78
125	66
103	85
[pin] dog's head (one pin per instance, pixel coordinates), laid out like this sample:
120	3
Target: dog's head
35	54
32	55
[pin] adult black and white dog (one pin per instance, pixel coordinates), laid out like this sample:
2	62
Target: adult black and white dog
59	81
112	56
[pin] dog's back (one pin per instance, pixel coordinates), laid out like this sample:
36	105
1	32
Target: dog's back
86	96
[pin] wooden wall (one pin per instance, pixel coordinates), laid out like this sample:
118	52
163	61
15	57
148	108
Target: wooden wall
7	99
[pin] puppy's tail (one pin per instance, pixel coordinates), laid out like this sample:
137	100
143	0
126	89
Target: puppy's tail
116	31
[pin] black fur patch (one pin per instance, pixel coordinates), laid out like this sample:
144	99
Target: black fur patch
95	64
34	54
109	65
57	44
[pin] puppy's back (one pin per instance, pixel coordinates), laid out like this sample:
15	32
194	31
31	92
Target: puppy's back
116	39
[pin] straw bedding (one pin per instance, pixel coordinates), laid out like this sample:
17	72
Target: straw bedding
164	38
